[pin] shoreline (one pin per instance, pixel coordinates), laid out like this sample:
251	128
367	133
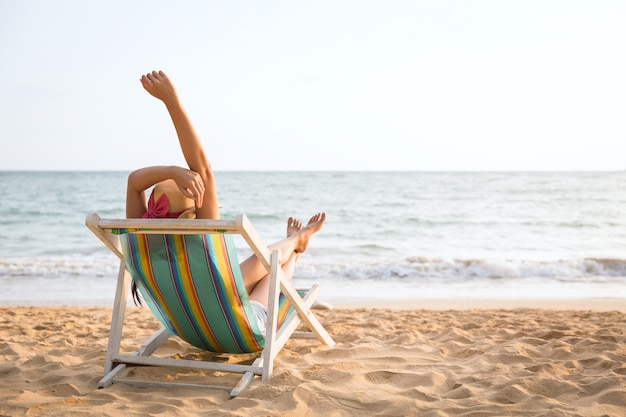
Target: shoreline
408	304
440	304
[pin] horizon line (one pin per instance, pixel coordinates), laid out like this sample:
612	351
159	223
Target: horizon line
338	170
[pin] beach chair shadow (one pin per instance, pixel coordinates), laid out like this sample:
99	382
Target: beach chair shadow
188	273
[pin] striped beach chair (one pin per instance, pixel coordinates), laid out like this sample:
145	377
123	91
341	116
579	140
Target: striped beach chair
188	274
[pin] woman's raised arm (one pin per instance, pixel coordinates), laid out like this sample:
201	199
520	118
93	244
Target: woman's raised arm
160	86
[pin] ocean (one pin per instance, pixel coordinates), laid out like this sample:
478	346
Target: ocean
389	235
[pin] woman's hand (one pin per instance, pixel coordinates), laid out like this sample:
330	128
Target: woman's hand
190	184
159	86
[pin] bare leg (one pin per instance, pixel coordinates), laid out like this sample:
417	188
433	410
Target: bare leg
261	290
253	271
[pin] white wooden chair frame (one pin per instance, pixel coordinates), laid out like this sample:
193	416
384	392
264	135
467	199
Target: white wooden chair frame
116	364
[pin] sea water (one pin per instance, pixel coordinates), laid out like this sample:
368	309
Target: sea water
390	235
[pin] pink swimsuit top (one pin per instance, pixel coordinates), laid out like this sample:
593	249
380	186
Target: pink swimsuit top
160	208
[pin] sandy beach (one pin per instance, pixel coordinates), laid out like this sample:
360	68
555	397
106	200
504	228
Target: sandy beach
455	358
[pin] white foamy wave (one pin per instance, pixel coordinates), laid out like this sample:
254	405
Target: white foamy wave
413	268
491	268
59	267
90	280
445	270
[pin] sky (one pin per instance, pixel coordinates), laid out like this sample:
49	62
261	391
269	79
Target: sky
450	85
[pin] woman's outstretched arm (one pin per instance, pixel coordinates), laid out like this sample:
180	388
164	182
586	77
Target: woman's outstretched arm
160	86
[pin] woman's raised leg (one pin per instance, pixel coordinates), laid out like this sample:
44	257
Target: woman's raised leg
291	247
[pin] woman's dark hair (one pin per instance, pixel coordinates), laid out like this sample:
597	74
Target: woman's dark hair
136	298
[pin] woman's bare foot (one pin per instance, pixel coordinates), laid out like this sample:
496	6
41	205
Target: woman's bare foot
293	226
313	226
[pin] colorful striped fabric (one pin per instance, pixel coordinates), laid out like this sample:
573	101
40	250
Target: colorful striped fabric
193	285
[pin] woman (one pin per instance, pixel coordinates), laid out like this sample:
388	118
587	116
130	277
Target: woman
182	192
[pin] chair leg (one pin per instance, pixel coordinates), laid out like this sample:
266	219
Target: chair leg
117	318
107	381
272	317
146	349
245	380
305	313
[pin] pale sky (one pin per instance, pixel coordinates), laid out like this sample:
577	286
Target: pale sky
316	85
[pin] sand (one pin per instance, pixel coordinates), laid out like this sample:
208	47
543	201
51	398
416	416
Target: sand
468	361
